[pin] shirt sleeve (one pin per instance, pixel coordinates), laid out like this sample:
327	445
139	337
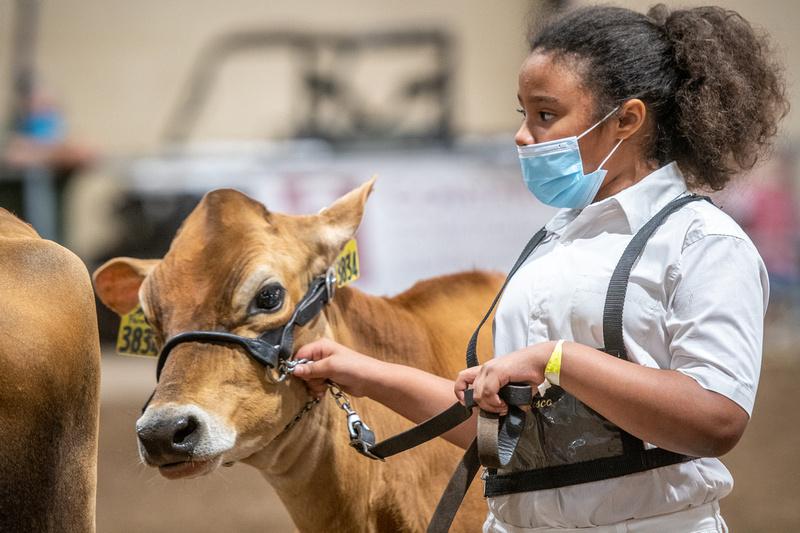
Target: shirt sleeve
716	317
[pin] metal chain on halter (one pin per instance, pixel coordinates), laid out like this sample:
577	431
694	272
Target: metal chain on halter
306	408
309	405
286	367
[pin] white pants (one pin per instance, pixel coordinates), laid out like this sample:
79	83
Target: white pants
703	519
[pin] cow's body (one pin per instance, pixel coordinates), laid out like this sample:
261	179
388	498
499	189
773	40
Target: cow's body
49	385
214	405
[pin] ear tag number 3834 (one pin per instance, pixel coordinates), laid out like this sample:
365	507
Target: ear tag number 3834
135	335
347	265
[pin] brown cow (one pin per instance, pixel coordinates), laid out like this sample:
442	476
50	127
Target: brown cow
213	404
49	380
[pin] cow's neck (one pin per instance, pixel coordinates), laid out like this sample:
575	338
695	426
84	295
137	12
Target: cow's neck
318	476
311	469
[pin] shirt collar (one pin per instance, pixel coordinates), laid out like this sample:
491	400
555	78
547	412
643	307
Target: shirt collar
637	203
642	200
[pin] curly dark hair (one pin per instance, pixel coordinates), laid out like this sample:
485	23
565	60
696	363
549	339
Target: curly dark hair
709	79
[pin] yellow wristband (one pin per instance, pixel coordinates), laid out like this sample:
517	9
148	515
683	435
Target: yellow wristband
552	370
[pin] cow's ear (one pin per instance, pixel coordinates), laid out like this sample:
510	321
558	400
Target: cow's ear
338	223
117	282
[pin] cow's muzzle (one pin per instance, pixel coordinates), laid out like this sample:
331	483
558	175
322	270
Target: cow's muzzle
182	440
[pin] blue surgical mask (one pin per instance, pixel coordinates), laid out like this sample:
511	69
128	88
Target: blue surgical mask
553	171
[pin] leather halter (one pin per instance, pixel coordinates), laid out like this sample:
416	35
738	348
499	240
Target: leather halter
273	349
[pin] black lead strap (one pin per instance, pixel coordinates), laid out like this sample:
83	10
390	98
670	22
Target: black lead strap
513	395
508	433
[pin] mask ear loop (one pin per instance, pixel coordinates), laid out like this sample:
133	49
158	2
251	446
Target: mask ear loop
598	122
604	161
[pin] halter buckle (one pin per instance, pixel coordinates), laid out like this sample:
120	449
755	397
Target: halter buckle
330	283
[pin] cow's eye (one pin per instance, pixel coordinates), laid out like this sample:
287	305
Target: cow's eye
269	298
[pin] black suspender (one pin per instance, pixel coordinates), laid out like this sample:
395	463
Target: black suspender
617	289
618	286
635	458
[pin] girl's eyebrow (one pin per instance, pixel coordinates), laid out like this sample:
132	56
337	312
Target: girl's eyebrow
545	99
540	99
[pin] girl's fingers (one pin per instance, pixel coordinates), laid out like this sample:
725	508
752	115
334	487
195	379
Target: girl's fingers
317	387
313	370
464	380
493	405
315	374
319	349
487	386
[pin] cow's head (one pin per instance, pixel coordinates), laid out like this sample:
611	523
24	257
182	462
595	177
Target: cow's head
236	267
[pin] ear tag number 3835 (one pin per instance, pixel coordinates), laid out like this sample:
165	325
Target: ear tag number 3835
135	335
347	265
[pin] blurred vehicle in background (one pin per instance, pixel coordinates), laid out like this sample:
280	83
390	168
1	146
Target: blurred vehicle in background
442	204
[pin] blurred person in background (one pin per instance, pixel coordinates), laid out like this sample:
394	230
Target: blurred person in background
623	115
38	160
39	137
768	212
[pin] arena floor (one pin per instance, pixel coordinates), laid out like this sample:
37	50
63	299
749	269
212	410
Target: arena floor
133	498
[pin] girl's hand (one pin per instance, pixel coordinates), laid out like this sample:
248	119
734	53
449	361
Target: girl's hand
329	360
523	366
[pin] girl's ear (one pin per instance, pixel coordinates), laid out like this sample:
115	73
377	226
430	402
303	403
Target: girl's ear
630	118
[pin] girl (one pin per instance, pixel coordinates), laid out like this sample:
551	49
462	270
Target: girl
623	115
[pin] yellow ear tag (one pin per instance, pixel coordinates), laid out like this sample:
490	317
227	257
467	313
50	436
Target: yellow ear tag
135	335
347	265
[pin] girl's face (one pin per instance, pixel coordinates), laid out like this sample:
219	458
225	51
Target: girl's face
556	104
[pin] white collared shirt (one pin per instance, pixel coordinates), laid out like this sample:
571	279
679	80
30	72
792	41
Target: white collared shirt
695	303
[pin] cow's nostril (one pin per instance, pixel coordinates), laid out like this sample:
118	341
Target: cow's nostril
184	428
167	437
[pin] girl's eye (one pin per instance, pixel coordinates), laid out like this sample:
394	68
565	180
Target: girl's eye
521	111
545	116
269	298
